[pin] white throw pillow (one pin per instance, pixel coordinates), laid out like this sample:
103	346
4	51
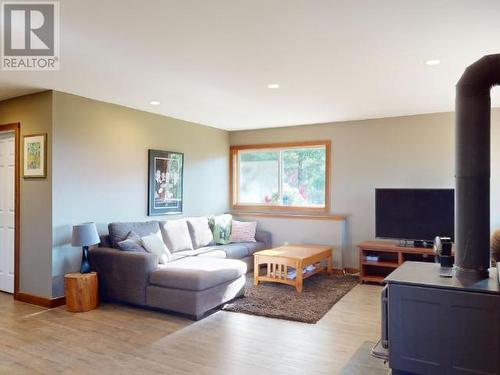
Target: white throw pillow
243	231
154	244
176	235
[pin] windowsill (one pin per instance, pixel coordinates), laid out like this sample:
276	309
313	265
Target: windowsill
305	210
289	215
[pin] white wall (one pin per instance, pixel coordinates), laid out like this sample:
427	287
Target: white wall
304	231
412	151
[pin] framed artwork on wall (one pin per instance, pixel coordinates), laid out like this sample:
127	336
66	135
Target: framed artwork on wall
35	156
165	181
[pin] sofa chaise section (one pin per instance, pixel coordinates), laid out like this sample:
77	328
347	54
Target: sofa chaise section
197	273
193	286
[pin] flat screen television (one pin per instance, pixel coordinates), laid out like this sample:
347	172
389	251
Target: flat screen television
414	214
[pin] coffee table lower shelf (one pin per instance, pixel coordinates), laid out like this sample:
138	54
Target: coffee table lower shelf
278	261
284	280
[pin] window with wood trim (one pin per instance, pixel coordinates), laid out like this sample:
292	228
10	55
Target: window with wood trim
285	176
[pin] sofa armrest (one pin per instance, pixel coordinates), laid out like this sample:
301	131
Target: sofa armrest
266	237
105	240
123	275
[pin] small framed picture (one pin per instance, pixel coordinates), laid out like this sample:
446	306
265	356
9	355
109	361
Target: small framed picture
35	156
165	182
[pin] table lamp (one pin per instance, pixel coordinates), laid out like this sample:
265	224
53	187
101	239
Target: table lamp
85	235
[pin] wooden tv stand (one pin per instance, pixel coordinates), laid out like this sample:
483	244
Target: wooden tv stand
391	256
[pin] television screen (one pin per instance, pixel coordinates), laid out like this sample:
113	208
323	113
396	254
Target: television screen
414	214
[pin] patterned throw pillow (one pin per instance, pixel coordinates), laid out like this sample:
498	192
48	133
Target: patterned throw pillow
221	228
243	231
131	243
495	247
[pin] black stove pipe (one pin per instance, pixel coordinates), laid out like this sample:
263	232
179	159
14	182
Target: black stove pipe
472	164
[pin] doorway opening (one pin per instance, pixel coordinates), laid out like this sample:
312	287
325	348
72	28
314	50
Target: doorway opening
9	207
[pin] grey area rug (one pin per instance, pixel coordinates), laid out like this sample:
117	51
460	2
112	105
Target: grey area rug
362	363
281	301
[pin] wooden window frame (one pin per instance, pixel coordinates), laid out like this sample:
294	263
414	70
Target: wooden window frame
234	168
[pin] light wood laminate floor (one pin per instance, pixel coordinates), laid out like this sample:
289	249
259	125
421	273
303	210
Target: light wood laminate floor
117	339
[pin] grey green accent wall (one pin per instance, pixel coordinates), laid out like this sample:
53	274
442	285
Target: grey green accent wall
411	151
100	159
34	113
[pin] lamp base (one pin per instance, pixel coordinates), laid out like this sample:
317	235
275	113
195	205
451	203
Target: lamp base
85	266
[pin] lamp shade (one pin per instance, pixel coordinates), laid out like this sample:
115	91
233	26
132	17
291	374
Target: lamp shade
85	235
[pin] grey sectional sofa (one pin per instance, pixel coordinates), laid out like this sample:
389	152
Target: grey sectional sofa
192	283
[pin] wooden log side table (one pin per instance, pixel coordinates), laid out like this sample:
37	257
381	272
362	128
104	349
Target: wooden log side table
81	291
280	259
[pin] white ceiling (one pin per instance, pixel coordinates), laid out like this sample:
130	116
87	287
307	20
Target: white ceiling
210	61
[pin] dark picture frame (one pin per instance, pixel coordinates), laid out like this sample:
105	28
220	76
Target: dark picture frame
165	182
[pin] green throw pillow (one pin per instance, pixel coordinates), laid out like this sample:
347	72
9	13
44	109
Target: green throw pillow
221	228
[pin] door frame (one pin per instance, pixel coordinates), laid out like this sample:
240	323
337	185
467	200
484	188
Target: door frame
16	128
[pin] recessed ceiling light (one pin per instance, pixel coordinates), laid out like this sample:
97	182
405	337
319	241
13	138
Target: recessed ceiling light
432	62
273	86
154	102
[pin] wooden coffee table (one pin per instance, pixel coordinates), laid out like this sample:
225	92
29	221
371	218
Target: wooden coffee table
279	259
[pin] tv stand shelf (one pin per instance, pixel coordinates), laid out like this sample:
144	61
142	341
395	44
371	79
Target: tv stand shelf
390	256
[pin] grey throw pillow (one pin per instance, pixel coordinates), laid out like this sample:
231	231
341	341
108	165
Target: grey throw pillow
131	243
